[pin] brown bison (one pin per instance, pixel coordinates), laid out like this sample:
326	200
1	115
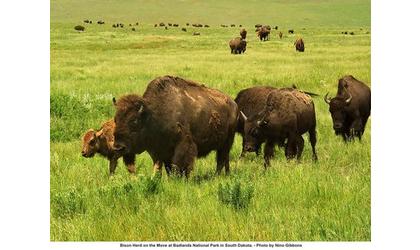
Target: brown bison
196	33
263	33
100	22
243	33
237	45
280	35
258	25
101	142
206	26
350	108
300	46
250	102
287	114
176	121
161	24
291	31
176	25
184	29
79	28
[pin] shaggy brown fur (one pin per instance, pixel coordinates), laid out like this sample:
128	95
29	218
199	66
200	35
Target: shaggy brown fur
250	102
176	121
300	46
237	45
350	108
288	113
102	142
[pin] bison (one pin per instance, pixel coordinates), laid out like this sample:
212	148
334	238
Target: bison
258	25
263	33
300	46
161	24
350	108
101	142
243	33
100	22
287	114
184	29
176	25
280	35
291	31
196	33
237	45
250	102
79	28
176	121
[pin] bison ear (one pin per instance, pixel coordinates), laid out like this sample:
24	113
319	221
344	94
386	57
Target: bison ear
114	101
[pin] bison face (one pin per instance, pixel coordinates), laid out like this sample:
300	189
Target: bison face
90	144
128	123
338	110
253	136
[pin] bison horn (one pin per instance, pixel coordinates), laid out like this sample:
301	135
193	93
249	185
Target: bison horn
243	115
141	109
327	99
348	100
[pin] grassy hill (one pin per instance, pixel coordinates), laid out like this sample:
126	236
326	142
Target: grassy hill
306	201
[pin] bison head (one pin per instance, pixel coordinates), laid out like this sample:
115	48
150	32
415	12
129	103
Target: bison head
253	136
90	143
129	118
338	109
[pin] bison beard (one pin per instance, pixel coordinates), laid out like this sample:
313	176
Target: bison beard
176	121
350	108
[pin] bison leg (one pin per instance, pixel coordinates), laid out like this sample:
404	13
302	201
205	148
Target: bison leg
184	155
168	168
112	165
291	146
129	160
222	154
300	143
312	139
268	153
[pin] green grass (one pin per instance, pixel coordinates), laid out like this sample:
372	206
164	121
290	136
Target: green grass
306	201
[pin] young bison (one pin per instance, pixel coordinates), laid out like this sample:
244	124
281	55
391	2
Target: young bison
102	142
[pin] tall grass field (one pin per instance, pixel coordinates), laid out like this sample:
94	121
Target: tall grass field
328	200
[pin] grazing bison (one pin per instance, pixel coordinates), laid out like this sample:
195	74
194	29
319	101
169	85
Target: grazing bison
258	25
102	142
166	27
232	25
161	24
196	33
79	28
243	33
350	108
176	121
170	24
263	33
250	102
276	27
188	24
351	33
184	29
287	114
101	22
156	25
280	35
86	21
206	26
300	46
291	31
133	29
237	45
176	25
137	23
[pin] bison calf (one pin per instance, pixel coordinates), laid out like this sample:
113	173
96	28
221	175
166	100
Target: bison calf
102	142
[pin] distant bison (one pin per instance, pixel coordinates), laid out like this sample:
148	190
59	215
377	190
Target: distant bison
196	33
263	33
161	24
291	31
206	26
176	121
243	33
184	29
276	27
101	22
175	25
188	24
79	28
237	45
133	29
258	25
102	142
232	25
86	21
288	113
300	46
280	35
350	108
156	25
170	24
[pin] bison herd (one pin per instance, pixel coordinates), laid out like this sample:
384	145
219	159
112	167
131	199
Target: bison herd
177	121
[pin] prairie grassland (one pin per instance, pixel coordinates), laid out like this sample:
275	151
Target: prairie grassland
324	201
